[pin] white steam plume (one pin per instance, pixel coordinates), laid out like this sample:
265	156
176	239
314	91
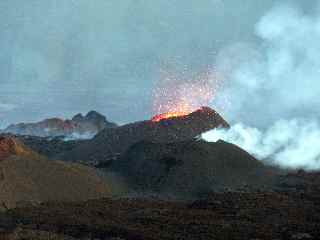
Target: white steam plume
289	144
278	80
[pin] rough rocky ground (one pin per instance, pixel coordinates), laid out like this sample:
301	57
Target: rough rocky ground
229	215
193	167
49	147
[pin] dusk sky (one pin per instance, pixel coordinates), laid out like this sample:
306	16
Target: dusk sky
62	57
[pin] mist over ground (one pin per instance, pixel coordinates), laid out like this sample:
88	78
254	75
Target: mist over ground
62	57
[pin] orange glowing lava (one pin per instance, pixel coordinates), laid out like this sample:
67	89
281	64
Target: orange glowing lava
178	93
159	117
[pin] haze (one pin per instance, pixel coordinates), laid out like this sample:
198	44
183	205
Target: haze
58	58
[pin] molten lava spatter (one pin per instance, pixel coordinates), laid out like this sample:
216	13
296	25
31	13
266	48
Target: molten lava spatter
179	94
159	117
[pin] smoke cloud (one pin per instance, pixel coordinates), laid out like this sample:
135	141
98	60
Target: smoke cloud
275	88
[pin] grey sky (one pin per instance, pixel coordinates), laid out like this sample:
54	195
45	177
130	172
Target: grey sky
60	57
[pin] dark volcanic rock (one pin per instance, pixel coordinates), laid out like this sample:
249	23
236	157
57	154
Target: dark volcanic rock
46	146
300	181
79	127
49	147
112	142
232	215
193	167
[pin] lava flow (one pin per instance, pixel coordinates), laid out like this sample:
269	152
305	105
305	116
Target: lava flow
159	117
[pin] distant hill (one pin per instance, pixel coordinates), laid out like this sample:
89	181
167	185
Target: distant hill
27	177
112	142
78	127
192	167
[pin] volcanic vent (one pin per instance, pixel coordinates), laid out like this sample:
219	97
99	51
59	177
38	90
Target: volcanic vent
202	112
168	115
114	141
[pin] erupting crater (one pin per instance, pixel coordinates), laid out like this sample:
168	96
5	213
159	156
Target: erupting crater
168	115
178	96
202	111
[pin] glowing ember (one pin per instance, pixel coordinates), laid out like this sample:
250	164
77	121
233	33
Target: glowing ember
180	94
163	116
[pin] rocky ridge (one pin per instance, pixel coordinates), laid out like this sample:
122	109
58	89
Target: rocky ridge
78	127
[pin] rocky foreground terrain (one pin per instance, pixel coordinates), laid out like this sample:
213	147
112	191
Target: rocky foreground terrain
230	215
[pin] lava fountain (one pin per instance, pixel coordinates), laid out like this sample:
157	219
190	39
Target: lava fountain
179	96
159	117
